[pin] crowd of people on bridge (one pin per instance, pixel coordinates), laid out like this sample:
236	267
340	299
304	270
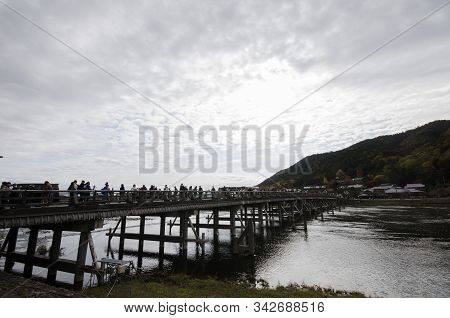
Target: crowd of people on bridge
47	193
83	192
11	193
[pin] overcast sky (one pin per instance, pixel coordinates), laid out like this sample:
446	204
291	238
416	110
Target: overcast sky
208	63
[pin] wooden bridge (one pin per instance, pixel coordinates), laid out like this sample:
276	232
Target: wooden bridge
84	211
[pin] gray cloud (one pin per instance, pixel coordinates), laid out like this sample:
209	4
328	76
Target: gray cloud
208	62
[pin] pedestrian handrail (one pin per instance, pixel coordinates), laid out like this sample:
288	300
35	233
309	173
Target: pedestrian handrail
43	198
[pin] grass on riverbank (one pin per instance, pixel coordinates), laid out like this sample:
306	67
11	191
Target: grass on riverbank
183	286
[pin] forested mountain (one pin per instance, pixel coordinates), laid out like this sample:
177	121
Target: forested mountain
417	155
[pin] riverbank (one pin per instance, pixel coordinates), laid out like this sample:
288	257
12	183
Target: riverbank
14	286
183	286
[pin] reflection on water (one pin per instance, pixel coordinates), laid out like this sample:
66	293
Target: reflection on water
380	251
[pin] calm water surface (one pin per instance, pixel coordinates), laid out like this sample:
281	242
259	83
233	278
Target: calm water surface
380	251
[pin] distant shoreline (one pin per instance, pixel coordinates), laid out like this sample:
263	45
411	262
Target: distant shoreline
403	202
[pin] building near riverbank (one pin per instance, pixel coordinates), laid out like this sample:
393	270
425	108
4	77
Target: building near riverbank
416	186
393	191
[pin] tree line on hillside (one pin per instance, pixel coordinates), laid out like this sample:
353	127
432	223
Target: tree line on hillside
418	155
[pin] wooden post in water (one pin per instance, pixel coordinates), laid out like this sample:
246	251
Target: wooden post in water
245	215
260	216
183	233
280	214
12	241
267	216
162	233
54	255
203	244
31	249
305	221
108	249
216	224
93	255
272	215
251	239
197	223
123	228
81	259
141	240
234	246
292	211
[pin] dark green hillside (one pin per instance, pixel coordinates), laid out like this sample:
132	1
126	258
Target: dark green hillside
417	155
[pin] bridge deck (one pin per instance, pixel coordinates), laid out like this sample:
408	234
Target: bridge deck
31	214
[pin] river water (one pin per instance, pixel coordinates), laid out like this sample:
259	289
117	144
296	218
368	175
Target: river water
382	251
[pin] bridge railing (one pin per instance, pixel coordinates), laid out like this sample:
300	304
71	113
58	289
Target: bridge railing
41	198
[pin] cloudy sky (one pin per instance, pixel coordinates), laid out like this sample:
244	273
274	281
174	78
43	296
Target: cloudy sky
73	111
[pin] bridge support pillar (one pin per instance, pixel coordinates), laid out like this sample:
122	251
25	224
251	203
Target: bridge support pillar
251	239
123	227
12	241
216	224
254	217
267	215
234	243
81	259
280	214
260	216
53	262
272	215
31	249
141	240
183	233
305	221
246	242
244	215
54	255
292	210
162	233
197	223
